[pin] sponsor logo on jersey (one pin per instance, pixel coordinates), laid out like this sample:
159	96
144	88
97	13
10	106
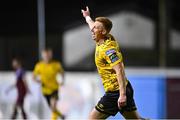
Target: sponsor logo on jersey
111	51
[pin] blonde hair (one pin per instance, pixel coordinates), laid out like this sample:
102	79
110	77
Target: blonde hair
106	23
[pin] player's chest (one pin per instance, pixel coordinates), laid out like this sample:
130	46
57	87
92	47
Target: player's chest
99	59
48	69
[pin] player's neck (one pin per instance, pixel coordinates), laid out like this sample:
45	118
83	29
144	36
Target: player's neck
100	42
18	67
47	61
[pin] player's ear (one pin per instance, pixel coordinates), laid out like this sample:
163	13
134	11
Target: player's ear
104	32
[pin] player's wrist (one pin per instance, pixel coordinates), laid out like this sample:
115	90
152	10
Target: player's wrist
122	93
88	18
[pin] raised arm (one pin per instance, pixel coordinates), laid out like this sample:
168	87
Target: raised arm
86	15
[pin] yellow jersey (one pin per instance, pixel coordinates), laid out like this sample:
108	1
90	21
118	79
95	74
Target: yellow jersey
48	75
108	55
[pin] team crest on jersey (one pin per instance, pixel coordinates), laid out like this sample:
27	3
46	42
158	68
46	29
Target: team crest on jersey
111	51
113	57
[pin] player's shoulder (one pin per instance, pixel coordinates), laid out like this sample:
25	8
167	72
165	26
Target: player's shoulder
21	71
55	62
110	42
39	63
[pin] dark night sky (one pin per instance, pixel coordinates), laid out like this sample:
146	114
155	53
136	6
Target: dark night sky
20	16
18	23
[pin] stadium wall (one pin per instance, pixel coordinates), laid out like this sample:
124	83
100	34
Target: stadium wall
155	92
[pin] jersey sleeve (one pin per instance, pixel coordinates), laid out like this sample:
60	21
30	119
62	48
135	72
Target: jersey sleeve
20	74
60	68
36	70
112	56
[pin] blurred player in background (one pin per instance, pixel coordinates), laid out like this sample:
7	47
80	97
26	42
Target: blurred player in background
109	62
22	87
45	72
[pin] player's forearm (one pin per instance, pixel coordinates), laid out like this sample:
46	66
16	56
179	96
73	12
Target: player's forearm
119	69
63	80
90	22
122	82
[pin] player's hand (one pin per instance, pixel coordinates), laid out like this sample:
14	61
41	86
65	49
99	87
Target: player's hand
122	101
62	83
86	12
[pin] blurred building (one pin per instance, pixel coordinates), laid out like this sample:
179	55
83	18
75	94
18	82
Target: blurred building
136	23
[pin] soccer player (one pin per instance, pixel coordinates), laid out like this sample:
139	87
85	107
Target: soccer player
45	72
22	87
109	61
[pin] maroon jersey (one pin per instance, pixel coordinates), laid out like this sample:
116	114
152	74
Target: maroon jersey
20	85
